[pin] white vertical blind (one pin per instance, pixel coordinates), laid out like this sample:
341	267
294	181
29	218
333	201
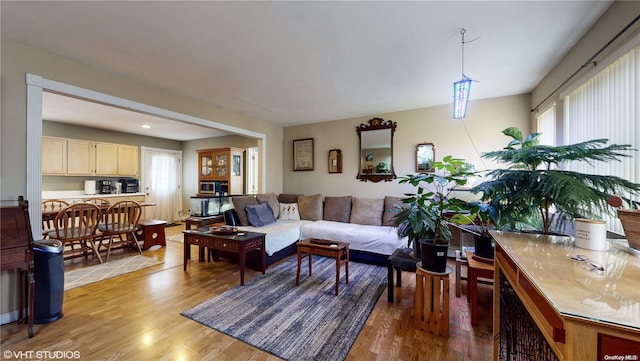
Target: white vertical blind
546	124
608	106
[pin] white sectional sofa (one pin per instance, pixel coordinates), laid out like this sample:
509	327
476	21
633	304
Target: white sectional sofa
363	222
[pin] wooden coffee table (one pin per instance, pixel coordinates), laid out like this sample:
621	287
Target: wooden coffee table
240	243
337	250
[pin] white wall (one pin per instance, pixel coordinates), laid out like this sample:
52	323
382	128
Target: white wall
479	132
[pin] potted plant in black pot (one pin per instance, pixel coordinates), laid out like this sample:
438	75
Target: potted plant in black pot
426	214
536	190
481	218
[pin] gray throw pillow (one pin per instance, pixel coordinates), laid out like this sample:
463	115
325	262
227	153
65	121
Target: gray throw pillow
367	211
240	203
390	209
260	215
310	207
337	209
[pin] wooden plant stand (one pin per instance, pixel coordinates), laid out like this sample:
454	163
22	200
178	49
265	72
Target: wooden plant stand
432	300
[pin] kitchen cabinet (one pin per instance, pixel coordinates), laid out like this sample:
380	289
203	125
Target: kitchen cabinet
106	159
127	160
81	157
222	167
75	157
54	155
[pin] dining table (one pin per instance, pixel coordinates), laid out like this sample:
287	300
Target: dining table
51	215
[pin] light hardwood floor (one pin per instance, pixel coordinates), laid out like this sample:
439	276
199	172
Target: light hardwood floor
137	317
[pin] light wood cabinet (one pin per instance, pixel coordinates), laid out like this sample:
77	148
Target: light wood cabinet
106	159
81	157
63	156
127	160
224	166
54	155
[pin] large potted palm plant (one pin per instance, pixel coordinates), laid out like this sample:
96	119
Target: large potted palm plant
426	214
536	190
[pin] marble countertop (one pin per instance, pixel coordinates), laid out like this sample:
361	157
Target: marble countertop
570	286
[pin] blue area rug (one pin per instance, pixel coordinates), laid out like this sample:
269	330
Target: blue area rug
308	322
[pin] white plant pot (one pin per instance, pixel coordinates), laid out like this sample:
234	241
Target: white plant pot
591	234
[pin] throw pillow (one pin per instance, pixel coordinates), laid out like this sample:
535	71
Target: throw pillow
288	198
240	203
310	207
272	200
337	209
367	211
390	209
260	215
289	211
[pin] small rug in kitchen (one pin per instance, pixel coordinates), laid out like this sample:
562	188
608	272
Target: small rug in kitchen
83	276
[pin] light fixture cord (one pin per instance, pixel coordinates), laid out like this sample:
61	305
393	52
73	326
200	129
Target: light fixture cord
462	33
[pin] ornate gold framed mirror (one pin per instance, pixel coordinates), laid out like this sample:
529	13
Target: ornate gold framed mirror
425	156
376	150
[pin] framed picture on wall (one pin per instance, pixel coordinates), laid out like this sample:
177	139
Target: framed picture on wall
303	154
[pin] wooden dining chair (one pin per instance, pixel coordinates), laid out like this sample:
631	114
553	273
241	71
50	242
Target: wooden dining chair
121	222
77	225
97	201
50	208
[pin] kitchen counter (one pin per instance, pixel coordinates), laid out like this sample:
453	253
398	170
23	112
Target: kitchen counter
574	307
70	196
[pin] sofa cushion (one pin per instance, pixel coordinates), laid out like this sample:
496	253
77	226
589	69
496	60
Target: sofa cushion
260	215
288	198
240	203
272	200
390	209
337	209
289	211
310	207
367	211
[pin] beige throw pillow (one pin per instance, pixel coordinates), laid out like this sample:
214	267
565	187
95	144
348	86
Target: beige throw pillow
337	209
272	200
240	203
310	207
367	211
390	209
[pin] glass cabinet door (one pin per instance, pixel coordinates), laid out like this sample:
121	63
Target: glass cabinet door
221	165
206	166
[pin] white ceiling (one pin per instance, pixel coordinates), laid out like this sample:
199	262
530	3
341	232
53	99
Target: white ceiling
301	62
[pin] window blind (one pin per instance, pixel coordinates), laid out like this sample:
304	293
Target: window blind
608	106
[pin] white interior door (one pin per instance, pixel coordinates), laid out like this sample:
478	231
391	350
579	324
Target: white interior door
252	170
162	182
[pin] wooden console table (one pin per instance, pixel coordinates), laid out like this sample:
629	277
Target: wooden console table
239	243
557	308
16	252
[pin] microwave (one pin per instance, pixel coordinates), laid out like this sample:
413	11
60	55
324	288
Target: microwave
210	187
130	185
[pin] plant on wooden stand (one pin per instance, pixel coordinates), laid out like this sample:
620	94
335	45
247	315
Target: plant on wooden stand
426	214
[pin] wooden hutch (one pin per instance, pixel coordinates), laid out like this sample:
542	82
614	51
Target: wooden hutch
220	171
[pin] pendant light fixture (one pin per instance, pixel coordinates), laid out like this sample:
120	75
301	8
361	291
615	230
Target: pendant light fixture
461	89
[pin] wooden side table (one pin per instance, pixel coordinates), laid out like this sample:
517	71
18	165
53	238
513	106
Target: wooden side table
201	222
152	232
337	250
432	300
476	269
400	260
